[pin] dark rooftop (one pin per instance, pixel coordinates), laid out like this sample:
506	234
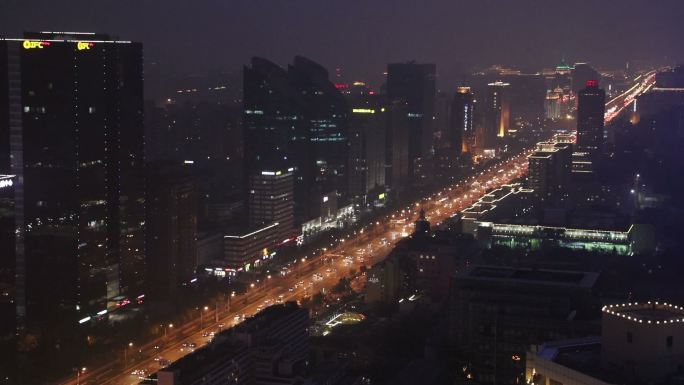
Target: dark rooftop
526	275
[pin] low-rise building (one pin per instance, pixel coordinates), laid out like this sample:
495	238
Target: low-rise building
640	343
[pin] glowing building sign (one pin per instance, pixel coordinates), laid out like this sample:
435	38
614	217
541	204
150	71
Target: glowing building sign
83	45
6	181
28	44
363	111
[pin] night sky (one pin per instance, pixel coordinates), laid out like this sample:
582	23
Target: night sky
362	36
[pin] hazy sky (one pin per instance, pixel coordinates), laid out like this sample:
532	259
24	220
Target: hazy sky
362	36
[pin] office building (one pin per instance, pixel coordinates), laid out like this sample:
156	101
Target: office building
278	341
271	201
414	85
496	313
398	163
367	137
526	96
462	130
245	249
171	241
384	282
581	73
72	133
8	272
640	343
268	349
591	133
550	167
497	113
296	118
552	105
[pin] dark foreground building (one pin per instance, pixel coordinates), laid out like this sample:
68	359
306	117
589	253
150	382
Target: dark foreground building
71	133
270	348
498	312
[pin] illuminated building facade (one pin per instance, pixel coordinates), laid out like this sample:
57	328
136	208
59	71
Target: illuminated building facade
71	130
462	131
497	113
550	168
552	105
414	85
270	200
245	249
483	220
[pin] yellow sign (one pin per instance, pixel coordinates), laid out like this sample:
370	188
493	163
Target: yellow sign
81	45
363	111
28	44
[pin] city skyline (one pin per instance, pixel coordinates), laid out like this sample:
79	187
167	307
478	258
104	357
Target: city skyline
360	37
260	192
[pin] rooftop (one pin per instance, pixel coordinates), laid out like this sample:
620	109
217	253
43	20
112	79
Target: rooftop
582	355
266	317
538	276
196	364
648	312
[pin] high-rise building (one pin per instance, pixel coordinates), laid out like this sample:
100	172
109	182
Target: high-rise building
72	133
497	113
296	118
397	146
552	105
549	171
462	131
325	112
581	74
591	108
270	200
8	270
367	127
414	85
171	242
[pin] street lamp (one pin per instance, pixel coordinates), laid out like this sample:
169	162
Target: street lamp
78	375
201	311
130	345
166	328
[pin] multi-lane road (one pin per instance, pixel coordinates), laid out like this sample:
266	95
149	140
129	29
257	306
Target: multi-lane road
305	278
310	275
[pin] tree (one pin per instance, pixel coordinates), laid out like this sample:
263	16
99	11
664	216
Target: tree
342	286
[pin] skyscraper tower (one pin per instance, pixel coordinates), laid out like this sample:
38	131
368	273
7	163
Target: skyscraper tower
414	85
591	108
581	74
497	112
296	118
367	135
462	132
71	131
271	200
